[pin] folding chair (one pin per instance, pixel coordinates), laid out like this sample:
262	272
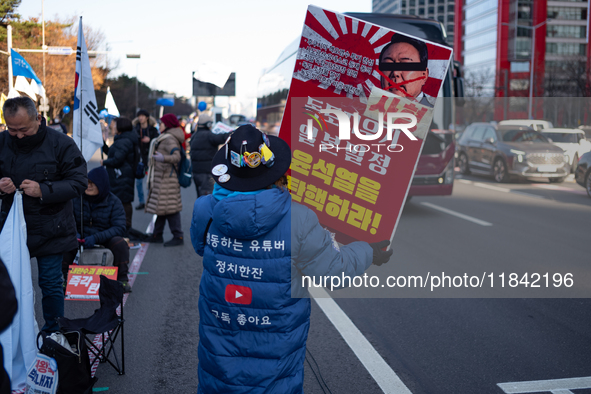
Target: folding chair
105	321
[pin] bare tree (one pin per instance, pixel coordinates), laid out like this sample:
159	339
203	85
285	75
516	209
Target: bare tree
480	91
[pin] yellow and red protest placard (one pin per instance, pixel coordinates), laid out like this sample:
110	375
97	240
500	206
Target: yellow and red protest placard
84	281
360	104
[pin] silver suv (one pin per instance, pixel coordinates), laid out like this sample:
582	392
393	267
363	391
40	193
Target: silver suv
506	151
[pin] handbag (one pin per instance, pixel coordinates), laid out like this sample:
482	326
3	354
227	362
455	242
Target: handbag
73	364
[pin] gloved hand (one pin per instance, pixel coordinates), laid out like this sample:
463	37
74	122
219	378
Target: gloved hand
158	157
89	241
381	256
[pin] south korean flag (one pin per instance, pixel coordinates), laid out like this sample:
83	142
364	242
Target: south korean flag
86	127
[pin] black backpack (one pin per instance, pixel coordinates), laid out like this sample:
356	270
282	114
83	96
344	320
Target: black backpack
73	368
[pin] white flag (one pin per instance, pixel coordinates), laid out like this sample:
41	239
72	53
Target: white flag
22	85
110	105
19	340
86	127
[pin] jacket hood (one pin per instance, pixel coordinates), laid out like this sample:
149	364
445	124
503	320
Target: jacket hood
130	135
100	178
151	122
178	133
250	216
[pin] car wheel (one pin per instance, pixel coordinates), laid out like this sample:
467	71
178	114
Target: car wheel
588	183
557	180
500	171
575	163
463	164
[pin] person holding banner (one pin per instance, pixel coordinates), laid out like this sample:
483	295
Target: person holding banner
404	68
50	170
256	246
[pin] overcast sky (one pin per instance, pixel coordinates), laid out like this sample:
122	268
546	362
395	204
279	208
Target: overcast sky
174	36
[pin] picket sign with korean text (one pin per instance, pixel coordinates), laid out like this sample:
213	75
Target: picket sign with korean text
356	127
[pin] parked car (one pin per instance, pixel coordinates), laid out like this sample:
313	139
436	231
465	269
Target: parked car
583	172
533	123
236	120
510	151
572	141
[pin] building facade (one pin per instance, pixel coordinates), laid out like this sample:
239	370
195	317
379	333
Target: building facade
440	10
495	38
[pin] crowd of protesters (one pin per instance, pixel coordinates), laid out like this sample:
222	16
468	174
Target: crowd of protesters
67	207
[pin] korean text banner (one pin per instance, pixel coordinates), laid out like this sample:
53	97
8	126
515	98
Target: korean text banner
359	108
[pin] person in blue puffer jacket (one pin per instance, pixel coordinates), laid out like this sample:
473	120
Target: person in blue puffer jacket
256	244
104	224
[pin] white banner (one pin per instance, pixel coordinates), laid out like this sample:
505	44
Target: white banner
19	340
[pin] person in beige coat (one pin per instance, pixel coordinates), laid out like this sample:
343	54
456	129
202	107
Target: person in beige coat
164	196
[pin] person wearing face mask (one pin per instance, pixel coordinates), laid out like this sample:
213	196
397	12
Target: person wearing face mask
403	68
104	224
50	170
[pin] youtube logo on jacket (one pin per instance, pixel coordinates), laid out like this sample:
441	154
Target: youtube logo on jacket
238	294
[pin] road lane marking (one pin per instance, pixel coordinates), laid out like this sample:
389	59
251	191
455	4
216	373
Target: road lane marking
505	190
562	188
381	372
457	214
500	189
133	268
555	386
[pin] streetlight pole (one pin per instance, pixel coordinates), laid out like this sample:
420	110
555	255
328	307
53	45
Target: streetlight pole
137	97
531	61
43	99
531	67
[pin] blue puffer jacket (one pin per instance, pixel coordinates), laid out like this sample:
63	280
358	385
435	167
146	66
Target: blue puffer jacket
252	332
103	220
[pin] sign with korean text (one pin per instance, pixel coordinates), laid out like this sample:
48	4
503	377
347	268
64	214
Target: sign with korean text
359	108
42	376
84	281
63	51
221	128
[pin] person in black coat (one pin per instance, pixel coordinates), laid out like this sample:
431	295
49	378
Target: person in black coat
204	145
50	170
144	127
104	223
8	308
121	164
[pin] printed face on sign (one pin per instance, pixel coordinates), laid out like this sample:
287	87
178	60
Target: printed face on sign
403	68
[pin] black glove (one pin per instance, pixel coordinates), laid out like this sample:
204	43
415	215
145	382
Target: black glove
381	256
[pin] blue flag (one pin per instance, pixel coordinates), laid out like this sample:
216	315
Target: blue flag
21	67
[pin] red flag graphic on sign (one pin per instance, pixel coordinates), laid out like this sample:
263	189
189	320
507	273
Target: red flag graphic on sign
238	294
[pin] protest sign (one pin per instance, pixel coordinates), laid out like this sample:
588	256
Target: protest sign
220	128
359	108
84	281
42	377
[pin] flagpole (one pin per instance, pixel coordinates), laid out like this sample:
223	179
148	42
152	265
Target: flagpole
9	50
80	112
